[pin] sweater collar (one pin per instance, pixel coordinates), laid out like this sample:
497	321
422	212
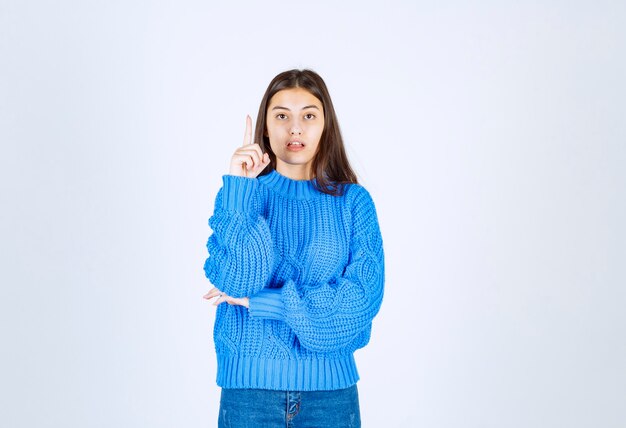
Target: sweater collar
295	189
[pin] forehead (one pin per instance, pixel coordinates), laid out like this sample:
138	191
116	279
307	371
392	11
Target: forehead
294	99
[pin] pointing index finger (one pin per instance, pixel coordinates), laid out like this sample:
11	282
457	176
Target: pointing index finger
247	138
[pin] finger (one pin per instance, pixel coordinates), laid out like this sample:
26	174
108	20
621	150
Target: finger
256	155
252	147
233	301
208	295
247	137
264	162
249	126
212	293
221	299
261	160
242	159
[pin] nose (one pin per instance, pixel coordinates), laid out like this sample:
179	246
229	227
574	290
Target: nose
296	129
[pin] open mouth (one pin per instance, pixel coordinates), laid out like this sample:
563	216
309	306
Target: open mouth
295	144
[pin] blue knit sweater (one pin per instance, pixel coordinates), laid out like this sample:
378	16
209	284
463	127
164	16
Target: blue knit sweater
313	267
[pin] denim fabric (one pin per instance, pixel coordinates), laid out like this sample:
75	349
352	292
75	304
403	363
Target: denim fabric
263	408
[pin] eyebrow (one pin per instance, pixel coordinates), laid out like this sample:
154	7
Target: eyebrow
303	108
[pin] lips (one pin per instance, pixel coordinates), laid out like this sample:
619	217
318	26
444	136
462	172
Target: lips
295	145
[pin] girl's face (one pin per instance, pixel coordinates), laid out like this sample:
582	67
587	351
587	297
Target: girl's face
295	122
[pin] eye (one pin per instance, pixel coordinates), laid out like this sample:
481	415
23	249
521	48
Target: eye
309	116
281	116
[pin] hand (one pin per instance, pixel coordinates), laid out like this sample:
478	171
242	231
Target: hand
223	297
248	160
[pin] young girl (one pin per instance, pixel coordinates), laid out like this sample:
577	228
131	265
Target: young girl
296	255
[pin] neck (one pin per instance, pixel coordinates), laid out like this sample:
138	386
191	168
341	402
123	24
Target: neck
295	172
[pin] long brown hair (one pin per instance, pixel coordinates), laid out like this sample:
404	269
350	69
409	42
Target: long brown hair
331	165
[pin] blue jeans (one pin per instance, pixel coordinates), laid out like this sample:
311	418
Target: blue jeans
263	408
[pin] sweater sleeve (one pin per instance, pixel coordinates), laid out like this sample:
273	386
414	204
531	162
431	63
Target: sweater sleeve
240	247
329	316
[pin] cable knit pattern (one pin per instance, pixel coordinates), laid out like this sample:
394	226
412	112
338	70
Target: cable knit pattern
313	267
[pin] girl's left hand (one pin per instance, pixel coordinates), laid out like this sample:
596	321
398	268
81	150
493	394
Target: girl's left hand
223	297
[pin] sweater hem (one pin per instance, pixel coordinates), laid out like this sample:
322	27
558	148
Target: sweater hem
315	374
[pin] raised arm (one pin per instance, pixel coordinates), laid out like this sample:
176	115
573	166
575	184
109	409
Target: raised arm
240	247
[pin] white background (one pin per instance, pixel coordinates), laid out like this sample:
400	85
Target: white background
491	135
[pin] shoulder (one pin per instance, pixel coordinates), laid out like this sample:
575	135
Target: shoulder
357	195
361	207
361	211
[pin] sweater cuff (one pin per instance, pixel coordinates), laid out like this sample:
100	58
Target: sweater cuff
238	192
267	304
